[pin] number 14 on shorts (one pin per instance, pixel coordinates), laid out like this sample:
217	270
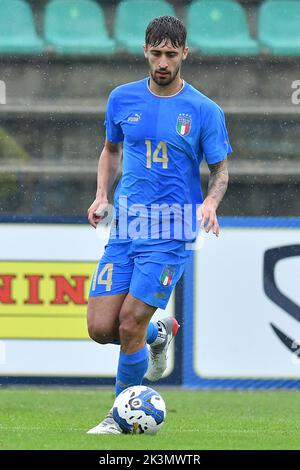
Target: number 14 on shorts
104	277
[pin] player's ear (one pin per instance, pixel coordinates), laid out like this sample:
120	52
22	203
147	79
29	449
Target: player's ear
145	51
185	53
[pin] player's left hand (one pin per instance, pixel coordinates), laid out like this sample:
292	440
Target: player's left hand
206	213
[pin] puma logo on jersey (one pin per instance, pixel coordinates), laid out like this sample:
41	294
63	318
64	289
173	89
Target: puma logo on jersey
134	117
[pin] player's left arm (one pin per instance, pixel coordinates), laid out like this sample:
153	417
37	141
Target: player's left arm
217	186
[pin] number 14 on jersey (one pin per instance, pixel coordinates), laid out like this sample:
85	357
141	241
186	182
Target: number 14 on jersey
160	154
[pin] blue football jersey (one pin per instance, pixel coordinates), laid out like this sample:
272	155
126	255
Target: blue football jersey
164	140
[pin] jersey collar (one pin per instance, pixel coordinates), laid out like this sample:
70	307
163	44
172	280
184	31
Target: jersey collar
169	96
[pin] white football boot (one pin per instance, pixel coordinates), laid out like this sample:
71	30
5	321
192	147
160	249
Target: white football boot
107	426
158	354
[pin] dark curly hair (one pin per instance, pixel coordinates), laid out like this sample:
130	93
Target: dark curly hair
166	28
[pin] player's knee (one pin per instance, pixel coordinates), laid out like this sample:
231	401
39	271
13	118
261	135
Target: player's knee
99	334
128	331
130	326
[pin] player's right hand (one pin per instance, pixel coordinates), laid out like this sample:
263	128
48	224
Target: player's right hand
97	211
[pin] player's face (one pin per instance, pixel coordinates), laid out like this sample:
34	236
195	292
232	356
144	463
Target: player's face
165	62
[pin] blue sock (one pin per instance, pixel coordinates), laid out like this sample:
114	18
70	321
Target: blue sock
131	369
152	333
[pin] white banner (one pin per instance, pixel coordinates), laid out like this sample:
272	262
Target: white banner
45	272
234	313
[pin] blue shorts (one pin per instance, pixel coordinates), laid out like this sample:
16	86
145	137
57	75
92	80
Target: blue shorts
148	271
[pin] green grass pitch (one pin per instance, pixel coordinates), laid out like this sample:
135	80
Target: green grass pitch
58	418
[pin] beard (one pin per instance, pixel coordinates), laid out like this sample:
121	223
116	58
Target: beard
166	80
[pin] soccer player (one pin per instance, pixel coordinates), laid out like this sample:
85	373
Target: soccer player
166	127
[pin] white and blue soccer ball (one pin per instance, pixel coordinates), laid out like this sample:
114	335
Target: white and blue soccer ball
139	410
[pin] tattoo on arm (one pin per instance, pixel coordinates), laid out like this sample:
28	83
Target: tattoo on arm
218	180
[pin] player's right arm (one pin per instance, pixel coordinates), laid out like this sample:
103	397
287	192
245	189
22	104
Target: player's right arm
107	173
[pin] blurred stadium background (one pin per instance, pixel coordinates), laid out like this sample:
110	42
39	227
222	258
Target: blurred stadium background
59	59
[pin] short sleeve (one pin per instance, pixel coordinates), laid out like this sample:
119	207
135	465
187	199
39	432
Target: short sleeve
214	137
113	128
